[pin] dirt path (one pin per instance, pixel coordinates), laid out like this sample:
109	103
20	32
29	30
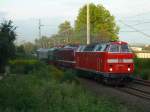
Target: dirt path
133	103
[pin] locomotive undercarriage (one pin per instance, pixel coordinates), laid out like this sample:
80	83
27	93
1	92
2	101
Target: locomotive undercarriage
113	79
106	78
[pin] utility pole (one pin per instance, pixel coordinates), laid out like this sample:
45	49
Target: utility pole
40	34
88	22
40	28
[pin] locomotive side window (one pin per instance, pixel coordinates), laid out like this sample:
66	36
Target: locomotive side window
89	48
81	48
114	48
106	48
103	47
100	47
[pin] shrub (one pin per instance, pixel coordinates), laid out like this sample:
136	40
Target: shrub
57	74
70	76
23	66
18	94
142	68
23	62
39	92
38	68
142	63
145	74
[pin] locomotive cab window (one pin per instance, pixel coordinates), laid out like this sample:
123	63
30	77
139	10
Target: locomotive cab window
125	48
114	48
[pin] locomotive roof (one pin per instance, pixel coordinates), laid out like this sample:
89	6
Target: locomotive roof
119	42
46	49
113	42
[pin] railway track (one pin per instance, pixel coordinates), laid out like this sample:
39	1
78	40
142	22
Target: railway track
136	92
141	89
142	82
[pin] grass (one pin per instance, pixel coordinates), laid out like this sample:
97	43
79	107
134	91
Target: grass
142	68
48	89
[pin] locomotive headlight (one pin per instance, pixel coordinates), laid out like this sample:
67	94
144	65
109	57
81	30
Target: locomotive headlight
110	69
129	69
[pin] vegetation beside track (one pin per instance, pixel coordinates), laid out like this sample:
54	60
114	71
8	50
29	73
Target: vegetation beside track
48	89
142	68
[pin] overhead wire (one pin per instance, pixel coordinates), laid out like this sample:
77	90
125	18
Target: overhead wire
141	23
135	29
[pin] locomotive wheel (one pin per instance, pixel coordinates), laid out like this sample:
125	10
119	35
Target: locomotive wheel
111	82
98	79
106	81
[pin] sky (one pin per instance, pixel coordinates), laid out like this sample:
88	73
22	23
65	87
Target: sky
26	13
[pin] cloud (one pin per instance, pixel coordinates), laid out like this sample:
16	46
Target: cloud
26	13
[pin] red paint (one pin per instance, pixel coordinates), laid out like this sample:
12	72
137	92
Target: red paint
97	61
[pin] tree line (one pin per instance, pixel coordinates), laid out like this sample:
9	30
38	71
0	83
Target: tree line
103	28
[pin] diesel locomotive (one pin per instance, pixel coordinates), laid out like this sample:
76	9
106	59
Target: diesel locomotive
110	62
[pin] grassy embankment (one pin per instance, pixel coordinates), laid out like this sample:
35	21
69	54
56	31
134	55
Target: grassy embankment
142	68
35	87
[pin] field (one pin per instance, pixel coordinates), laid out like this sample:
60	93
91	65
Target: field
35	87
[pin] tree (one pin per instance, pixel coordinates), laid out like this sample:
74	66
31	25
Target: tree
103	26
20	49
28	47
7	47
44	42
65	27
65	30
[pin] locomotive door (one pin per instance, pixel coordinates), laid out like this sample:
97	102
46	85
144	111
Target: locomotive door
98	62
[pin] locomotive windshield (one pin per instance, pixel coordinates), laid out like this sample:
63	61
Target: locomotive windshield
116	48
125	48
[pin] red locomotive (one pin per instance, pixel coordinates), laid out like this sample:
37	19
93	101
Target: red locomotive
108	61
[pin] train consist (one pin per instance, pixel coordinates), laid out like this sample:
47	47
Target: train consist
110	62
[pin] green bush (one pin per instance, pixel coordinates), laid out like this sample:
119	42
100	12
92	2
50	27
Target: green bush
57	74
23	66
142	68
145	74
23	62
35	67
41	92
142	63
18	94
30	94
70	76
48	89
